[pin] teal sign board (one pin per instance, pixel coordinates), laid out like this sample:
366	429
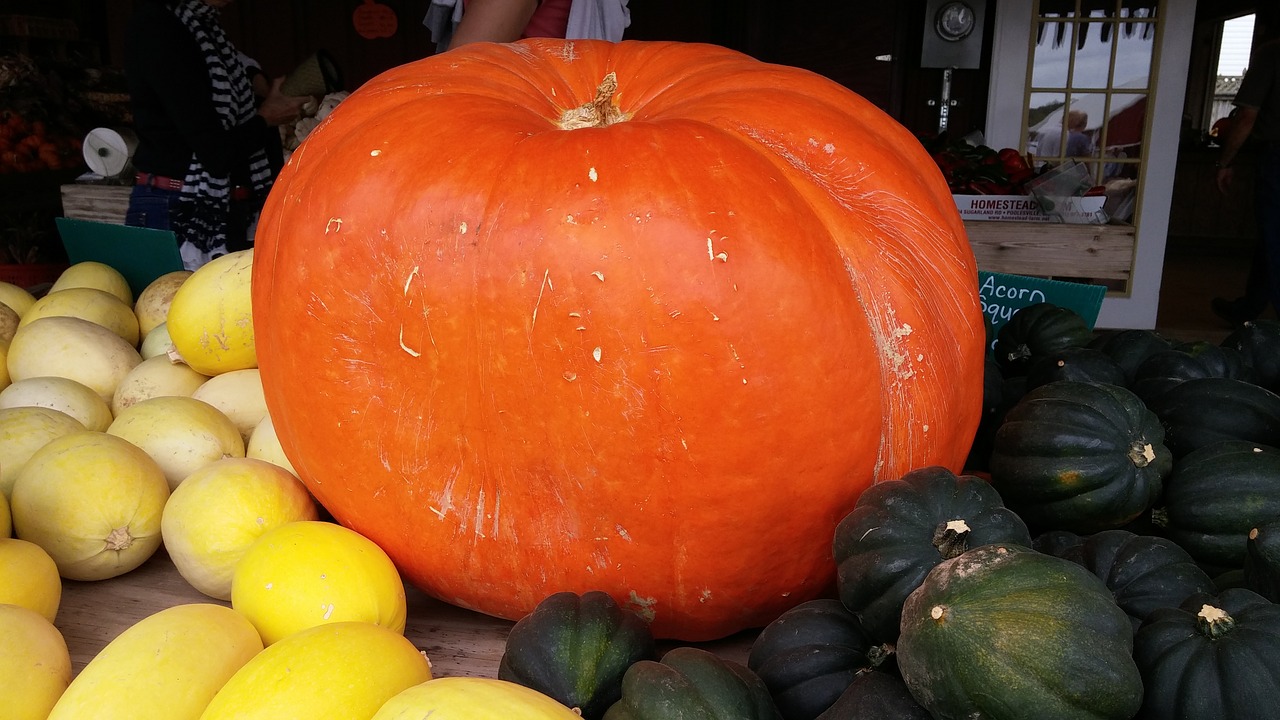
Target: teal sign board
1004	294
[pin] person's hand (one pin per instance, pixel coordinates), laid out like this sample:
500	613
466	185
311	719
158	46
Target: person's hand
1225	176
278	108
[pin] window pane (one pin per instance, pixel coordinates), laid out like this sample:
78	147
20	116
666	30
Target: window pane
1123	134
1084	121
1093	55
1136	43
1044	120
1052	56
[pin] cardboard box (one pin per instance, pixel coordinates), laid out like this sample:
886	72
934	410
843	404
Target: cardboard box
1025	208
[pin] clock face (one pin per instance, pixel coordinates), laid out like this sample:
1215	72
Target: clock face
954	21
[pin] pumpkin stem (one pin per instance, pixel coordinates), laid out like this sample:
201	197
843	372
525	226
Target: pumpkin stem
1214	622
600	112
1160	517
951	538
1141	453
878	654
119	539
1020	352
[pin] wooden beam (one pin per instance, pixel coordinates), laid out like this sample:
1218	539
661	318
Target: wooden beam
1053	249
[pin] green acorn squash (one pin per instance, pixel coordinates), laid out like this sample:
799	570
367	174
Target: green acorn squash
1143	572
994	407
1216	495
900	529
875	695
1213	658
1059	543
692	684
1202	411
1259	342
1077	456
575	649
810	654
1036	330
1262	561
1003	632
1081	364
1129	348
1187	361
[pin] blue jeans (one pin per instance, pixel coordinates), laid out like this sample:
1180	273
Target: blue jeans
150	207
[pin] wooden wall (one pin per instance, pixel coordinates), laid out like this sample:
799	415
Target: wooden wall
837	38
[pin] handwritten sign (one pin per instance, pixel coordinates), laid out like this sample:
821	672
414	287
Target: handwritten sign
1003	294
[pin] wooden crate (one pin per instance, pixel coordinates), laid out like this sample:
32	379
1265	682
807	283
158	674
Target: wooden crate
100	203
1104	252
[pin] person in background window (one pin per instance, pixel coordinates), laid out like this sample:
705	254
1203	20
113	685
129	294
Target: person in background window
1079	144
1257	116
454	23
204	156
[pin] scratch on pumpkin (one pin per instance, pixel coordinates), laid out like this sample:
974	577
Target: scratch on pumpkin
546	283
406	348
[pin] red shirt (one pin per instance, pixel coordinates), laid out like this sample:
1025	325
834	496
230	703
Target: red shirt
550	19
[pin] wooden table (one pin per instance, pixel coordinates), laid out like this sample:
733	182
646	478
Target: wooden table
458	642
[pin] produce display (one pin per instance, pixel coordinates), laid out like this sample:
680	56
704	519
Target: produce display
1097	538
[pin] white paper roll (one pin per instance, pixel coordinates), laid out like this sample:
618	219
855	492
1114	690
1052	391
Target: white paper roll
107	150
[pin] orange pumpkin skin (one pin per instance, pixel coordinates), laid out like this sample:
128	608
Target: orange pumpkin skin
660	358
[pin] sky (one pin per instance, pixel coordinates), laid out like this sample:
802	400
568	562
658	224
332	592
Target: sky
1133	58
1237	35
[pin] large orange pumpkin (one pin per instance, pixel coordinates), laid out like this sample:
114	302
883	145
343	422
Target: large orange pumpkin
530	331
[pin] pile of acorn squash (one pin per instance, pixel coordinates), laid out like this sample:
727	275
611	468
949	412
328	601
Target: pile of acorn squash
1115	554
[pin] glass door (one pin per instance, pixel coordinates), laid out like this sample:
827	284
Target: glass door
1088	88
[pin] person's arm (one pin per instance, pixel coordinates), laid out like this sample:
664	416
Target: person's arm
493	21
1239	130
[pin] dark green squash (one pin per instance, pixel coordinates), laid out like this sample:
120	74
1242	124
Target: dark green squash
1129	348
1229	579
1035	330
692	684
1216	495
1262	560
1202	411
1187	361
1003	632
1059	543
994	407
900	529
1080	364
1082	457
1143	572
575	649
876	695
1259	342
1213	658
810	654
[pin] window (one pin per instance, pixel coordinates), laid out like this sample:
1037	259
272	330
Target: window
1233	59
1088	87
